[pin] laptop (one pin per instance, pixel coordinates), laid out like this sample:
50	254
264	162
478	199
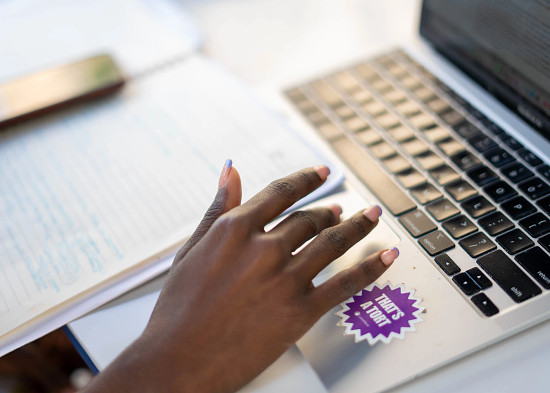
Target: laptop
463	179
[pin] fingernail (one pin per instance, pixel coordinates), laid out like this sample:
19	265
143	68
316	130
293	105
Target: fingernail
336	209
322	171
389	256
225	173
372	212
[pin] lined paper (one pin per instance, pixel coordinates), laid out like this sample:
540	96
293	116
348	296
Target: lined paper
101	189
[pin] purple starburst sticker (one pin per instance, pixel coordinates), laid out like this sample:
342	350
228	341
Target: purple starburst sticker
380	313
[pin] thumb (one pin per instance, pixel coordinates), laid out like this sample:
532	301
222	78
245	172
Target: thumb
228	197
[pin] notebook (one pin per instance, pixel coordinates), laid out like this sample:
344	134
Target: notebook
93	199
464	178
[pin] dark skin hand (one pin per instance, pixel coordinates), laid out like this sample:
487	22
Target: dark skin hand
236	297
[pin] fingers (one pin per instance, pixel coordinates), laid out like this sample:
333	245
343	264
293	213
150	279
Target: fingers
334	242
283	193
302	225
350	281
228	197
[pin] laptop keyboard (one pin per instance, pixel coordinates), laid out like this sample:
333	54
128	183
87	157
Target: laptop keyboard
451	176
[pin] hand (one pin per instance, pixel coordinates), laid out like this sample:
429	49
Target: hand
236	297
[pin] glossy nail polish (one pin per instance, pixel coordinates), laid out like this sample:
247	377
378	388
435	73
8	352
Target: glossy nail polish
225	173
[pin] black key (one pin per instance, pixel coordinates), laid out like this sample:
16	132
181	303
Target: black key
417	223
482	175
442	209
435	242
537	263
477	206
466	284
444	175
496	130
495	223
516	172
486	306
459	226
536	225
534	188
545	242
460	190
518	207
477	244
544	204
447	264
511	142
479	278
425	193
514	241
465	160
498	157
374	177
482	143
451	117
545	171
500	191
509	276
529	157
466	129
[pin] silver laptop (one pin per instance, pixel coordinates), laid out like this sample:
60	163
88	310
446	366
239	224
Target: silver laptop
464	180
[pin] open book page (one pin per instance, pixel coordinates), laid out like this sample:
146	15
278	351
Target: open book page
106	188
139	34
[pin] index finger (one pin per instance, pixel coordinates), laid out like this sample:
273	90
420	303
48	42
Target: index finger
280	194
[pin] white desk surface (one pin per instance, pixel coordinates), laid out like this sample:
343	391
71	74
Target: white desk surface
269	44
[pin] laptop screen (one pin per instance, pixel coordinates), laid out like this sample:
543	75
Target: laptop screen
503	44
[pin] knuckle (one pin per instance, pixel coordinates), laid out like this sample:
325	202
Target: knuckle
283	188
232	222
348	285
336	239
306	219
359	225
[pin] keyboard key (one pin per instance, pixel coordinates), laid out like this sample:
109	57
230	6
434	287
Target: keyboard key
495	223
424	93
509	276
514	241
518	207
401	133
415	147
450	147
368	137
422	121
356	124
516	172
545	171
537	263
459	226
479	278
396	164
374	108
500	191
536	225
329	95
346	81
382	150
529	157
442	209
395	97
545	242
451	117
482	175
447	264
370	173
477	206
482	143
387	121
438	105
477	244
429	160
330	131
460	190
344	112
534	188
362	96
417	223
484	304
466	284
465	160
496	130
444	175
426	193
435	242
466	130
410	178
544	204
408	108
317	118
436	134
498	157
511	142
